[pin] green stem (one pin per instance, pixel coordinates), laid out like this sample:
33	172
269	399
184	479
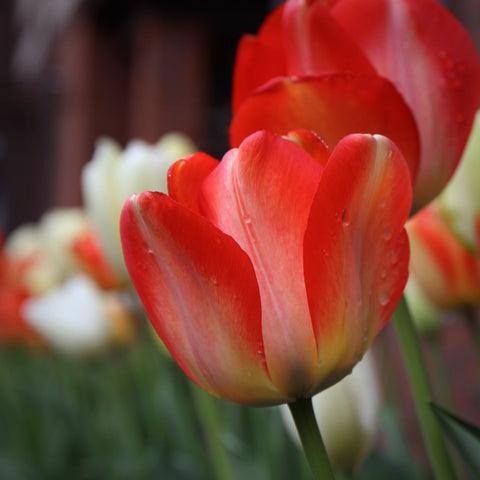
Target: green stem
208	410
422	393
441	371
304	417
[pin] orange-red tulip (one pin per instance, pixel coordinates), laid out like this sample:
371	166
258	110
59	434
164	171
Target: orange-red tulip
444	268
268	275
402	68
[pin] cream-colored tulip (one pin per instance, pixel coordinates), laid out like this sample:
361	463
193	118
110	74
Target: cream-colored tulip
426	316
43	250
348	415
460	200
78	318
113	175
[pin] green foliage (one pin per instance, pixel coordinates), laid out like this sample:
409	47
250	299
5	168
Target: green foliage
130	414
464	435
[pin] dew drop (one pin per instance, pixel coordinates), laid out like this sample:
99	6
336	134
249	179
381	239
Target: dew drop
387	232
247	219
384	298
214	280
345	218
394	257
383	272
325	252
150	251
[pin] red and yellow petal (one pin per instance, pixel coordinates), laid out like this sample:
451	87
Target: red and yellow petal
261	195
314	145
186	176
434	65
333	106
199	290
448	272
356	250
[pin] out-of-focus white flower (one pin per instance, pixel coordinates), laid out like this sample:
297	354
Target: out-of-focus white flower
348	415
113	175
460	199
77	318
43	250
426	316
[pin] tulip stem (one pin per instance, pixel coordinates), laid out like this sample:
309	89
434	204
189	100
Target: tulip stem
409	342
312	442
208	412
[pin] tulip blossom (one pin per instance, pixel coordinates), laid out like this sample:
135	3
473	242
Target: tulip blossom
269	274
363	66
61	244
113	175
444	269
348	415
13	328
460	200
78	318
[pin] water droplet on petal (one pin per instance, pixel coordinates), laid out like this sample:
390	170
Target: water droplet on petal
383	298
394	257
383	272
325	252
247	219
345	218
214	280
387	232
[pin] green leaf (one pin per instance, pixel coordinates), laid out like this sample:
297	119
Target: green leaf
464	435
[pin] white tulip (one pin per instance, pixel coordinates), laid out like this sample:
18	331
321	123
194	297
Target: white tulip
71	318
43	250
348	415
113	175
460	199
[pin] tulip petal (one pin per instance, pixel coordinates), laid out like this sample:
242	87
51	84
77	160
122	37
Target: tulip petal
332	106
356	250
316	44
447	271
298	38
312	144
199	290
187	175
261	195
420	47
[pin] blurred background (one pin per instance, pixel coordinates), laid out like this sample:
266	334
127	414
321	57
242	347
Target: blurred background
72	71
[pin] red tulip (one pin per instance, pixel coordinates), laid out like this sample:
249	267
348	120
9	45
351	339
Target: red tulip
444	268
411	56
13	328
268	275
